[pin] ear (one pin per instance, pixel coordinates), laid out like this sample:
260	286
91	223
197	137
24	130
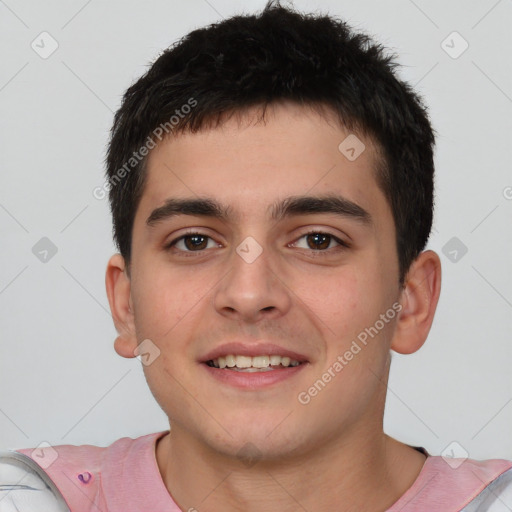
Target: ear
118	287
419	299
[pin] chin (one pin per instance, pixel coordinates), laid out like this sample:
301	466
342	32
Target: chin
250	450
252	441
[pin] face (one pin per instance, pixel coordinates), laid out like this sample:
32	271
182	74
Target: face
262	277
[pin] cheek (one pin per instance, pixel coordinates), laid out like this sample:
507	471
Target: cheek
167	385
347	305
339	301
156	313
161	301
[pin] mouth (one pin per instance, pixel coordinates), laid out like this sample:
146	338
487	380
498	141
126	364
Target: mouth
252	364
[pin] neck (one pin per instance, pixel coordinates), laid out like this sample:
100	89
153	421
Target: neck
366	473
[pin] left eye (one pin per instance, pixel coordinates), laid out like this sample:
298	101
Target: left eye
192	242
319	241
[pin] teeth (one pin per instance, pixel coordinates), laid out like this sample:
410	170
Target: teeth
243	361
275	360
256	363
260	361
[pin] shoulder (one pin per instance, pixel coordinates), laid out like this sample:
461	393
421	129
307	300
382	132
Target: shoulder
495	497
473	485
459	485
71	457
72	474
25	487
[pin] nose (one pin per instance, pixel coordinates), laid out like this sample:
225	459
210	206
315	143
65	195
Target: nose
252	288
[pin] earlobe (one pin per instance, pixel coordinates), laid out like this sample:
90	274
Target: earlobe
419	300
118	287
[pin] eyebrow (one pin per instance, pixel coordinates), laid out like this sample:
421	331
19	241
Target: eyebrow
288	207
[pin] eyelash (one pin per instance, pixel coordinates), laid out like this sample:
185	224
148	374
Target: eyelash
342	244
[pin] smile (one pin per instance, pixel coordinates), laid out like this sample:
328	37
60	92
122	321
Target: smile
252	364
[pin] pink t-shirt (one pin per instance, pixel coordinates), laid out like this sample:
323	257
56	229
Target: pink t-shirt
124	477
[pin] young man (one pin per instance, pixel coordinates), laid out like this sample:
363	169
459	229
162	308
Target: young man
271	185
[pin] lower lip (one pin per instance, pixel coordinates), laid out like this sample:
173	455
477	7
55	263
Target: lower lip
253	380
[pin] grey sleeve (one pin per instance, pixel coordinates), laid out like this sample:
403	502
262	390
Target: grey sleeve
25	487
496	497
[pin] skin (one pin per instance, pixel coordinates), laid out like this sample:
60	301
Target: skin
331	452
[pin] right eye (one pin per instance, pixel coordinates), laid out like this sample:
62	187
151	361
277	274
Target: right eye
191	242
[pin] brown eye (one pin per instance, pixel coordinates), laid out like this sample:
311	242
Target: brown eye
191	242
321	242
318	241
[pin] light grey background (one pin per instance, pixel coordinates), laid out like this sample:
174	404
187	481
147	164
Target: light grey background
60	379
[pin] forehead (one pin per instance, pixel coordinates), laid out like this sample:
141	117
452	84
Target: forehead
247	163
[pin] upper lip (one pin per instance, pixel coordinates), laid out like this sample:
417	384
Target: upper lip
252	349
